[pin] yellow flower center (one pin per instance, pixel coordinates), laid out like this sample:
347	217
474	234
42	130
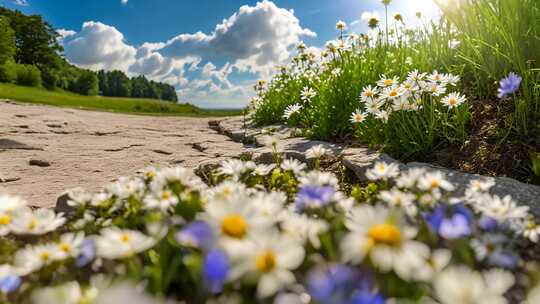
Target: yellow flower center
124	238
386	234
435	184
166	195
150	174
266	261
531	224
5	219
452	101
393	94
369	93
234	226
226	191
65	247
44	256
32	224
359	117
388	82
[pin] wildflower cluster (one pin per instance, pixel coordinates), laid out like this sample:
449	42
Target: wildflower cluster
408	115
276	233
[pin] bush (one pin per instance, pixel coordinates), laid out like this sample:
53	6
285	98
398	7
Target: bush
28	75
50	79
87	83
8	72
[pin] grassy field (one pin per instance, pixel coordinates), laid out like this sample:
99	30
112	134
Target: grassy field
109	104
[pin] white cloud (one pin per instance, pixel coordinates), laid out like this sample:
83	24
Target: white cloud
250	42
99	46
20	2
124	2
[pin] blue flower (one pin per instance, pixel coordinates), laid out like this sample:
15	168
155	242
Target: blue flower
488	224
9	283
509	85
196	234
313	196
87	253
341	284
216	268
451	222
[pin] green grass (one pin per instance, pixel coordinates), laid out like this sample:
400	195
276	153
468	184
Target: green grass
109	104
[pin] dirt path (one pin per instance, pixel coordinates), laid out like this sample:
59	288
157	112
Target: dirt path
46	150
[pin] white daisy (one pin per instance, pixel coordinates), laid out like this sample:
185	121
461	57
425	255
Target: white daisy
271	260
453	100
317	151
69	245
437	261
391	93
115	243
164	200
8	204
387	82
235	168
293	165
433	181
35	222
340	25
358	117
263	170
384	237
501	209
463	285
292	110
382	171
32	258
303	228
307	94
369	93
399	199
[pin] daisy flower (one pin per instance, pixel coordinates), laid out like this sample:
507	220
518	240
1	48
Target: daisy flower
501	209
400	199
384	81
391	93
114	243
382	171
435	89
529	229
340	25
415	76
35	222
358	117
373	106
69	245
463	285
263	170
368	93
318	178
303	228
437	261
307	94
32	258
384	237
434	181
317	151
437	77
272	260
8	204
453	100
235	168
163	200
293	165
292	110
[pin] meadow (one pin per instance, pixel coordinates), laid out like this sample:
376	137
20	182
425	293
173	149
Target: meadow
391	89
110	104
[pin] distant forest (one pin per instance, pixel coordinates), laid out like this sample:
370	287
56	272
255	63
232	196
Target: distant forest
30	55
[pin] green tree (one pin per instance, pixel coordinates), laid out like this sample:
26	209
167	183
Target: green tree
7	40
87	83
119	84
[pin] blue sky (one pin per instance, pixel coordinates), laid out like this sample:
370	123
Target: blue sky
239	41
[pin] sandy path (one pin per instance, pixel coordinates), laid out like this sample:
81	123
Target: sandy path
88	149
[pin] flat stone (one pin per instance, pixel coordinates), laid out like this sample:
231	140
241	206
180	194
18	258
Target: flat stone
6	143
360	159
39	163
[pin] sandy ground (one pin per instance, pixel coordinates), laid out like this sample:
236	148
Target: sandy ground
89	149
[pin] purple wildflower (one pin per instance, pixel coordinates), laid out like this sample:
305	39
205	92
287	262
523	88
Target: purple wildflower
451	222
9	283
313	196
195	234
87	253
509	85
216	268
343	285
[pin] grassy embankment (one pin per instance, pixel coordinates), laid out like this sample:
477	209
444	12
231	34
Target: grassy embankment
109	104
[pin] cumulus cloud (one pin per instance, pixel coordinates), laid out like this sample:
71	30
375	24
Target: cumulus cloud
259	36
124	2
99	46
250	42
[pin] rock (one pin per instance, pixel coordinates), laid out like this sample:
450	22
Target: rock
39	163
201	147
62	205
15	145
162	152
54	125
9	179
20	116
360	159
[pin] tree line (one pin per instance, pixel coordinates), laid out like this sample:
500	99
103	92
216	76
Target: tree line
30	55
